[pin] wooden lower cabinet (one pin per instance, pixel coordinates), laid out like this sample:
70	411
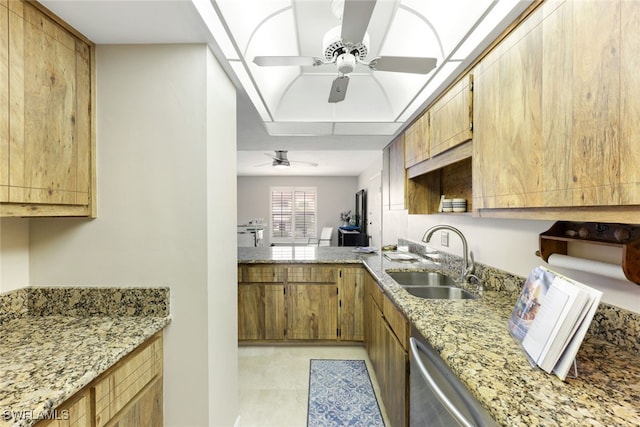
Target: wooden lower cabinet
386	338
76	412
129	394
312	312
300	302
261	312
351	303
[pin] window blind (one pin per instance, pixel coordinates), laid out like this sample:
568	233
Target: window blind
293	213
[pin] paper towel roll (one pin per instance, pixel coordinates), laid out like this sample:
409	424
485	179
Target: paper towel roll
588	266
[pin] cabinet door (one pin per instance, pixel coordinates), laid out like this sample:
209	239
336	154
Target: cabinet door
145	410
451	117
416	141
4	103
351	301
394	391
49	80
74	413
375	339
312	312
630	105
261	312
507	125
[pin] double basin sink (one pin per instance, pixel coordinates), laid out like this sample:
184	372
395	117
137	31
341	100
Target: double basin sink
429	285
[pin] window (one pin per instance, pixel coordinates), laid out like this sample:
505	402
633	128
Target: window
293	213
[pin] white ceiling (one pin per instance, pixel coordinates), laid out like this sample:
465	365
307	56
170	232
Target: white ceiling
286	108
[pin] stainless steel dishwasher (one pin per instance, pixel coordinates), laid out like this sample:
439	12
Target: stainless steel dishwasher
437	397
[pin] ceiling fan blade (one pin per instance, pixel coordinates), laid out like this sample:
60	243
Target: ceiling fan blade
339	89
312	164
355	19
403	64
283	61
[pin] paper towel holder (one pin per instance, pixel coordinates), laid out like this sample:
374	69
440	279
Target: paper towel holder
626	236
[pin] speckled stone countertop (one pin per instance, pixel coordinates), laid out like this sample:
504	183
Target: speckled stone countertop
471	336
54	341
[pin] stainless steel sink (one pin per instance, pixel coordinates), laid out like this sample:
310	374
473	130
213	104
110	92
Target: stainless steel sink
430	285
421	278
439	292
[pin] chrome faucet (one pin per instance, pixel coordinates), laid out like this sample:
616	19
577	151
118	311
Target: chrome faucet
468	264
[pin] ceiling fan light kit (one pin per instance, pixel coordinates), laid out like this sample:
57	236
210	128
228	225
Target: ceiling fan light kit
347	45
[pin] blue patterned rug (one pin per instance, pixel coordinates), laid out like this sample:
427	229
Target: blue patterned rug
341	394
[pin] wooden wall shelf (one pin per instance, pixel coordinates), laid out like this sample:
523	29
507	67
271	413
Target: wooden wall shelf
625	236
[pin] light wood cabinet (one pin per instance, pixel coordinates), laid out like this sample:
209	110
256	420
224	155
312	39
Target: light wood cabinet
312	312
261	302
416	141
76	412
46	134
351	303
387	335
451	117
554	125
300	302
261	312
129	394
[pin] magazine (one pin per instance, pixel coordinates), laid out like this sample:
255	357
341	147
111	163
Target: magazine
551	318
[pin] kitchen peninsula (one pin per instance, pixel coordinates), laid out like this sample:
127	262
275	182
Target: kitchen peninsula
81	356
472	338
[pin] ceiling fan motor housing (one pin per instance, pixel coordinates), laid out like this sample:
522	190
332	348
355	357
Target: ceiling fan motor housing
333	46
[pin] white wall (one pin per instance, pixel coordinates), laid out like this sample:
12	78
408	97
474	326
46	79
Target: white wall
509	245
14	253
161	111
335	195
371	180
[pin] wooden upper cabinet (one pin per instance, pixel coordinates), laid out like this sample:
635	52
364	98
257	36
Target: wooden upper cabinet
552	128
47	147
416	141
4	102
507	127
450	117
629	187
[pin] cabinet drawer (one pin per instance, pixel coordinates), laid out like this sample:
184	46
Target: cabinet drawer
397	321
126	380
373	289
263	274
312	274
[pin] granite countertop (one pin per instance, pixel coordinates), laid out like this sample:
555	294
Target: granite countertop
47	356
472	337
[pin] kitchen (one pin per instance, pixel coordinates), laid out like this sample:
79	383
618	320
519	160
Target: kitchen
148	231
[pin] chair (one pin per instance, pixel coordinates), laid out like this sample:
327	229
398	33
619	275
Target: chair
325	238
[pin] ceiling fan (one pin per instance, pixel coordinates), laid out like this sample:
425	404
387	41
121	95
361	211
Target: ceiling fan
348	45
280	160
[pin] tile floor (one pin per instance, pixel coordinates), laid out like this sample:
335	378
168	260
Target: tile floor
273	382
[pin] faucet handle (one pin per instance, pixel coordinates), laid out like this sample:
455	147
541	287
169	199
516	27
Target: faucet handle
472	265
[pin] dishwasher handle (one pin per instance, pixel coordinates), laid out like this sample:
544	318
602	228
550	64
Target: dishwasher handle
416	347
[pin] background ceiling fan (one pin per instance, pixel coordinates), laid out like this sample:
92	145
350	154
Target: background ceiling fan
280	160
348	45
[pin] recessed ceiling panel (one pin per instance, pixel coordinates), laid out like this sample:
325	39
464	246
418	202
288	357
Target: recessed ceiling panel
375	128
243	18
